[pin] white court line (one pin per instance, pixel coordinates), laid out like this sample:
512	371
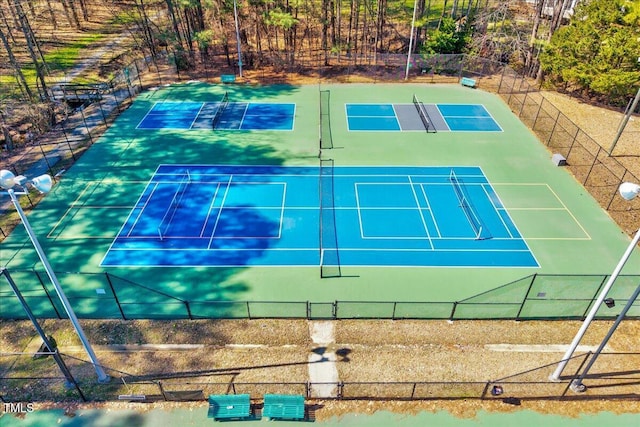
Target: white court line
564	207
497	210
215	225
435	223
71	206
244	113
213	201
141	210
424	222
355	191
282	205
196	117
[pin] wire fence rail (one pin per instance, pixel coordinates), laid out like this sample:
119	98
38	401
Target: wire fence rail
531	384
532	297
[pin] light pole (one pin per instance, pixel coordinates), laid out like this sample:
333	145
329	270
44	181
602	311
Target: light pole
628	191
43	183
235	15
413	25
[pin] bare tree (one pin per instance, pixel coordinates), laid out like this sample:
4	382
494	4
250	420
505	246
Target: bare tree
15	65
33	48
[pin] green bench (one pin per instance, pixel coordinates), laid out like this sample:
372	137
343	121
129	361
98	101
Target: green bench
283	406
229	406
228	78
466	81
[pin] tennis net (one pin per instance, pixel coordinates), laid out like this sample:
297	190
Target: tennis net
424	116
165	223
329	257
326	140
472	217
223	104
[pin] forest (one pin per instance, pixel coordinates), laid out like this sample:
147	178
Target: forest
592	48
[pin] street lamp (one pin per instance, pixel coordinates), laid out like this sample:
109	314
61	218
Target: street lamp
628	191
235	15
43	184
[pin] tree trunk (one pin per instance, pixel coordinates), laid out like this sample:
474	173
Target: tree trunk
146	29
85	11
52	15
444	11
529	62
325	30
65	7
32	47
74	13
559	8
174	20
16	66
8	25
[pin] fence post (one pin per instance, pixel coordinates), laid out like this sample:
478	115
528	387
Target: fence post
535	120
526	296
48	295
553	129
248	310
524	101
115	296
595	296
164	396
504	70
613	196
573	142
186	304
484	391
84	120
575	375
453	310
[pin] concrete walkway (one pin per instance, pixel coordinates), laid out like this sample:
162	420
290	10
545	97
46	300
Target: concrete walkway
323	373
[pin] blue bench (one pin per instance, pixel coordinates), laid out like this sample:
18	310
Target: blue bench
466	81
228	78
229	406
283	406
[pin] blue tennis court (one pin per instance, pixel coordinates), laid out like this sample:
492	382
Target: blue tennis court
208	215
468	117
171	115
220	115
420	117
256	116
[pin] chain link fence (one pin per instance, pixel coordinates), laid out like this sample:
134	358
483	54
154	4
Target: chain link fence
533	297
44	385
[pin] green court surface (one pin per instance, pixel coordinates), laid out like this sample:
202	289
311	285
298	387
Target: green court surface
197	418
567	232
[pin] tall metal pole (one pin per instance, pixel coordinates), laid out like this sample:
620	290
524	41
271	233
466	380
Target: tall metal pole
235	14
596	306
623	124
577	385
102	376
413	24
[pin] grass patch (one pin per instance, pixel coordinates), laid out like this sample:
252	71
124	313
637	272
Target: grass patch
63	58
